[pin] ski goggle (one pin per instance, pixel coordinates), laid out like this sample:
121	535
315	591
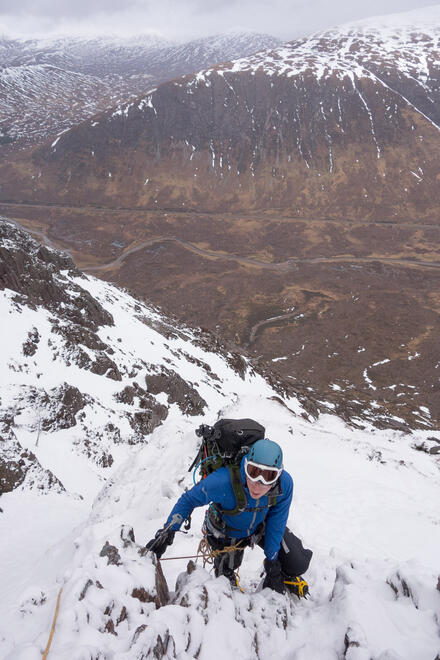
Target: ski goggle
257	472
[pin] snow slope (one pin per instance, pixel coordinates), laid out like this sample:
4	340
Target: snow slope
408	41
365	501
47	85
373	526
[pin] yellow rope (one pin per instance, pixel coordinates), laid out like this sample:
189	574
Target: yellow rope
237	579
52	630
208	554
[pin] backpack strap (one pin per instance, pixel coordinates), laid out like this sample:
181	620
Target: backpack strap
237	487
271	499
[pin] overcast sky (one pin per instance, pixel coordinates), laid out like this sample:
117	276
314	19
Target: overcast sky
184	19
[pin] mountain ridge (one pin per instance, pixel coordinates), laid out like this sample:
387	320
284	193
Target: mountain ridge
334	176
298	129
105	70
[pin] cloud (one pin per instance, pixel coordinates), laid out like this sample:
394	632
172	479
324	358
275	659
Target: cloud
185	19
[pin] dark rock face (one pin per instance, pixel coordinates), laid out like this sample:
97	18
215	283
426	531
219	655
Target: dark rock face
18	464
274	132
162	595
187	398
104	366
12	473
143	423
136	395
112	554
78	334
60	407
33	271
31	344
151	415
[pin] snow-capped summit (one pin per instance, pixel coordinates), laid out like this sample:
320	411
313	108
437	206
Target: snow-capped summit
406	42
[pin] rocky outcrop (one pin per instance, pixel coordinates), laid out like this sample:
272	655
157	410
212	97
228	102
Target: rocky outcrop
31	344
19	467
150	413
143	423
34	272
178	391
60	407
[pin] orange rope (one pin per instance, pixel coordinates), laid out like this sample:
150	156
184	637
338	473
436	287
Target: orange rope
52	630
185	557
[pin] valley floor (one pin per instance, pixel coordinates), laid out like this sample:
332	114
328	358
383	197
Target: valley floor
347	308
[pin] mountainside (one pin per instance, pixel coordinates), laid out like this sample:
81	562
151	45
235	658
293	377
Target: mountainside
99	398
47	86
344	123
36	100
66	367
287	200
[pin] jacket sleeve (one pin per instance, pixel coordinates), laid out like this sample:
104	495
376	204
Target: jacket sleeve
215	488
276	519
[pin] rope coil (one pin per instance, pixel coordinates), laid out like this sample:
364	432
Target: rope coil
206	553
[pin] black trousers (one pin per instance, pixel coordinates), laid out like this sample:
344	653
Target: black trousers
294	558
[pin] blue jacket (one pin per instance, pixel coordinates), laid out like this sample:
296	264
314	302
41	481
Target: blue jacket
217	488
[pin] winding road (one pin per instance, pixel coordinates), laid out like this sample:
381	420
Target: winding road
281	266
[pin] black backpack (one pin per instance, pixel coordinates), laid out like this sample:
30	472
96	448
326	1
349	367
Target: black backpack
224	445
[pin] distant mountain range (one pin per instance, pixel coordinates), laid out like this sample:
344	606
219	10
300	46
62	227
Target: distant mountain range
47	85
345	122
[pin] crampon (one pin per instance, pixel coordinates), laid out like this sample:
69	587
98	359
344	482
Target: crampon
297	586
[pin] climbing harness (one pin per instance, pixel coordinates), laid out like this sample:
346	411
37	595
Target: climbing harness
52	630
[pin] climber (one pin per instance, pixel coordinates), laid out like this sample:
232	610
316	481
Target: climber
258	518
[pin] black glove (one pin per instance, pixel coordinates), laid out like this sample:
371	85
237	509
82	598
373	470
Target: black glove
274	578
162	539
